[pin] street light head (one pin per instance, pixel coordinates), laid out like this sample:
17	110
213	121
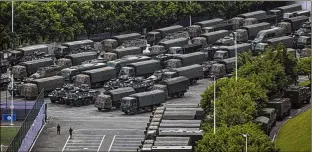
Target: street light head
245	135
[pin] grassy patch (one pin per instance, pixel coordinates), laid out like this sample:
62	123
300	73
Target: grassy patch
7	134
304	83
295	135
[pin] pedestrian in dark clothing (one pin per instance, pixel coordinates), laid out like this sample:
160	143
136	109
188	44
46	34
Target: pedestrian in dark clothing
70	132
58	129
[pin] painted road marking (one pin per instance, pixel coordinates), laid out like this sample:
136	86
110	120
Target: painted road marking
84	142
126	142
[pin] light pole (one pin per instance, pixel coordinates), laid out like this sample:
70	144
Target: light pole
12	106
12	14
235	44
214	104
245	135
190	16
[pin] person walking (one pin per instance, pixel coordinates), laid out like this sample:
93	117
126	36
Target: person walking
70	133
58	129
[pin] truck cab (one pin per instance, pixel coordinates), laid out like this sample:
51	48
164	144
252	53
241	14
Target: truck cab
209	52
60	51
153	37
303	41
128	104
271	114
126	72
260	47
169	75
288	15
221	54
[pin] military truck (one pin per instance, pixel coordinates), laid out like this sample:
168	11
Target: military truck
96	77
254	14
155	36
121	52
119	63
287	41
266	126
212	37
68	47
192	72
271	114
144	100
4	82
289	8
25	69
32	89
250	31
225	52
143	68
220	26
188	59
290	25
124	37
16	55
137	83
176	86
112	98
267	34
78	58
298	95
207	23
282	107
222	68
70	73
303	41
174	43
191	48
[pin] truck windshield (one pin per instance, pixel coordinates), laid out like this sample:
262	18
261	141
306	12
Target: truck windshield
125	103
124	71
166	76
66	73
218	55
260	47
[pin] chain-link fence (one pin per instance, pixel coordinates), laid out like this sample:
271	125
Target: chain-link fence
27	124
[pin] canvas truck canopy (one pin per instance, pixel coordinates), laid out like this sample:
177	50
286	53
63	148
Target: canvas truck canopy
289	8
78	58
262	119
192	71
78	44
124	37
101	74
212	37
153	97
272	19
174	42
297	22
176	84
28	50
119	93
254	29
34	65
145	67
127	51
209	22
171	29
192	58
287	41
255	14
49	83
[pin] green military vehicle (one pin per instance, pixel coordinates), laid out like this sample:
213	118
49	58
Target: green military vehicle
298	95
265	124
281	105
144	100
271	114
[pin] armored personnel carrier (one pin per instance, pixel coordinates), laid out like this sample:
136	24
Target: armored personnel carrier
59	93
80	97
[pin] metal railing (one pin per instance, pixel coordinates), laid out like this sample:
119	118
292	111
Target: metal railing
31	116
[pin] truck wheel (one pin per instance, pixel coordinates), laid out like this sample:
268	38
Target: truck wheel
52	101
99	109
288	112
78	103
194	81
180	94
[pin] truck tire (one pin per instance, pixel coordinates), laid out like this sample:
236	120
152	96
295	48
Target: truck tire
52	101
99	109
193	82
78	103
180	94
288	112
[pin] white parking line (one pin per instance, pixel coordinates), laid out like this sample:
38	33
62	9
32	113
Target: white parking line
65	143
101	143
111	144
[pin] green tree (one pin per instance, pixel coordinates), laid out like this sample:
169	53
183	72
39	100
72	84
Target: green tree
230	139
304	67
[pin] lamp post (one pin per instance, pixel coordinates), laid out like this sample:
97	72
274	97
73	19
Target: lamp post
214	104
245	135
235	45
190	15
12	106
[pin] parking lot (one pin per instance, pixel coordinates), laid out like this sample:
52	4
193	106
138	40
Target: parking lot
108	131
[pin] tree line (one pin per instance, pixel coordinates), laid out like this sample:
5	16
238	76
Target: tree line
59	21
238	102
